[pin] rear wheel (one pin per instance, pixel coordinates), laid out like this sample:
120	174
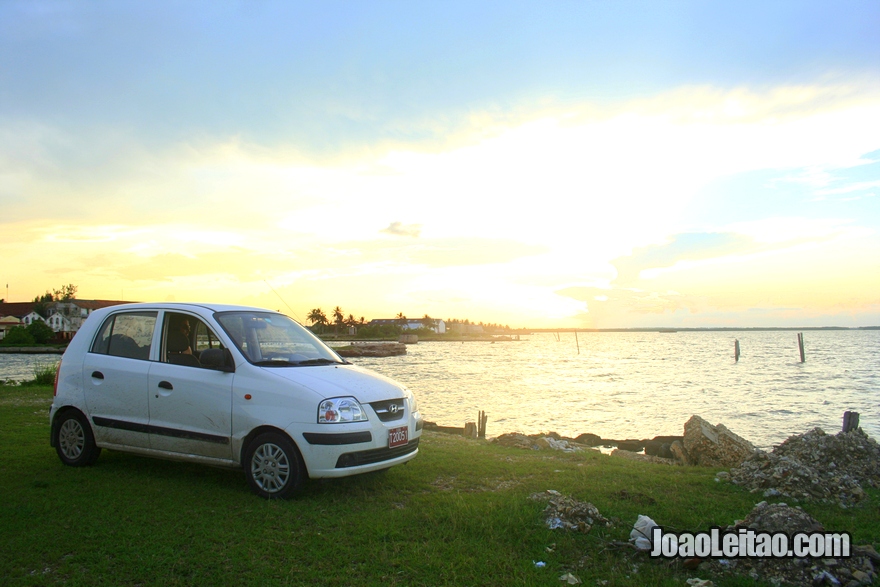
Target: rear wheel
273	467
74	441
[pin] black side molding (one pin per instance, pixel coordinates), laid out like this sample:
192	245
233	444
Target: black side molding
338	438
160	431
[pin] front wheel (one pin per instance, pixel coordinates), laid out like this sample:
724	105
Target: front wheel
273	467
74	441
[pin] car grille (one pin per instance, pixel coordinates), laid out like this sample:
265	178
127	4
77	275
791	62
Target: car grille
389	410
376	455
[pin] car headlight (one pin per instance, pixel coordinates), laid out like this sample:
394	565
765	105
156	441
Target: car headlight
340	409
413	404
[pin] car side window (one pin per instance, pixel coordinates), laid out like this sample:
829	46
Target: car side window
128	335
205	338
186	337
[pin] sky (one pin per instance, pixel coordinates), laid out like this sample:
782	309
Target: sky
542	165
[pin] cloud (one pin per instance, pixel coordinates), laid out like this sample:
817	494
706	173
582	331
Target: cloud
680	247
401	229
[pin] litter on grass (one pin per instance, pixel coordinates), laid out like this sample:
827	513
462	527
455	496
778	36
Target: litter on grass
568	513
641	533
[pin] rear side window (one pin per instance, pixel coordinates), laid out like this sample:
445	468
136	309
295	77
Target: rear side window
126	335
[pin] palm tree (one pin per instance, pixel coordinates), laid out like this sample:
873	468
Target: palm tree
338	319
317	317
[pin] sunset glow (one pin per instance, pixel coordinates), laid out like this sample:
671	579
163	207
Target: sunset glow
579	169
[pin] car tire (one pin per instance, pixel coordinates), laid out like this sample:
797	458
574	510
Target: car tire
74	441
273	466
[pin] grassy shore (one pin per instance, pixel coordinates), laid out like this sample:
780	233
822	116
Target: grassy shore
459	514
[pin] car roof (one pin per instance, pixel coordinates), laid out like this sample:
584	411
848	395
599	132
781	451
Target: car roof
192	306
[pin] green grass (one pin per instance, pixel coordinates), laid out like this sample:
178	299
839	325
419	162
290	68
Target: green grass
44	373
459	514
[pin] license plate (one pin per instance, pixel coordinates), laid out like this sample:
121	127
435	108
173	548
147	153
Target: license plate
398	437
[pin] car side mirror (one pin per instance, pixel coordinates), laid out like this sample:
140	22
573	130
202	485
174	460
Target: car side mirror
217	359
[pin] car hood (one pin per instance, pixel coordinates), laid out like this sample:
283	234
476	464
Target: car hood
342	380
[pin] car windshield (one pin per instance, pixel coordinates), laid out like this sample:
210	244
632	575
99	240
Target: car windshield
274	340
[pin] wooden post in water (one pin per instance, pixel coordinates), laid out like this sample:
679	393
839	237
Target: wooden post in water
481	424
801	346
850	421
470	429
736	350
576	341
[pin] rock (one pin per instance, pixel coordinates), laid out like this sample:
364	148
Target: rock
779	517
660	447
714	446
630	445
372	350
543	442
862	577
856	569
634	456
679	454
515	440
814	467
589	439
851	453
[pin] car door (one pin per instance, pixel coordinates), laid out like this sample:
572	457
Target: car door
115	378
190	406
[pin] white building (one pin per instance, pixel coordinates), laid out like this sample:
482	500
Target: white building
412	323
65	318
7	323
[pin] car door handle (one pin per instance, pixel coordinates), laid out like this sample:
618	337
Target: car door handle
97	375
165	385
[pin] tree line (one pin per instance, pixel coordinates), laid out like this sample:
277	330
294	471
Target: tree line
320	322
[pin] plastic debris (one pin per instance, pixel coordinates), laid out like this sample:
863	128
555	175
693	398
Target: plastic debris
826	578
641	532
568	513
570	579
539	564
554	523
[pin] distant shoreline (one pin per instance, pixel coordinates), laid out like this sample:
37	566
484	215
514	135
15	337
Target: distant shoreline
671	329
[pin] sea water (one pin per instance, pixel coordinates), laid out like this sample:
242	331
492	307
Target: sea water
633	384
642	384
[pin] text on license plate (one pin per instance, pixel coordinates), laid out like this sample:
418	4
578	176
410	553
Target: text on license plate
397	437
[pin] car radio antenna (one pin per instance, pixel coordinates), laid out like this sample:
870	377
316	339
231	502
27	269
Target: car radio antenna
282	301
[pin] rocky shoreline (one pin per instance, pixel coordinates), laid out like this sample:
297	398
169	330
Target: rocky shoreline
700	444
809	467
813	466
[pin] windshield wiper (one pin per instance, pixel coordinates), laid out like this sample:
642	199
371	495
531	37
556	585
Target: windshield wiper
275	363
320	361
304	363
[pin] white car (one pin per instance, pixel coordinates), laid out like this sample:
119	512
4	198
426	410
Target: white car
229	386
